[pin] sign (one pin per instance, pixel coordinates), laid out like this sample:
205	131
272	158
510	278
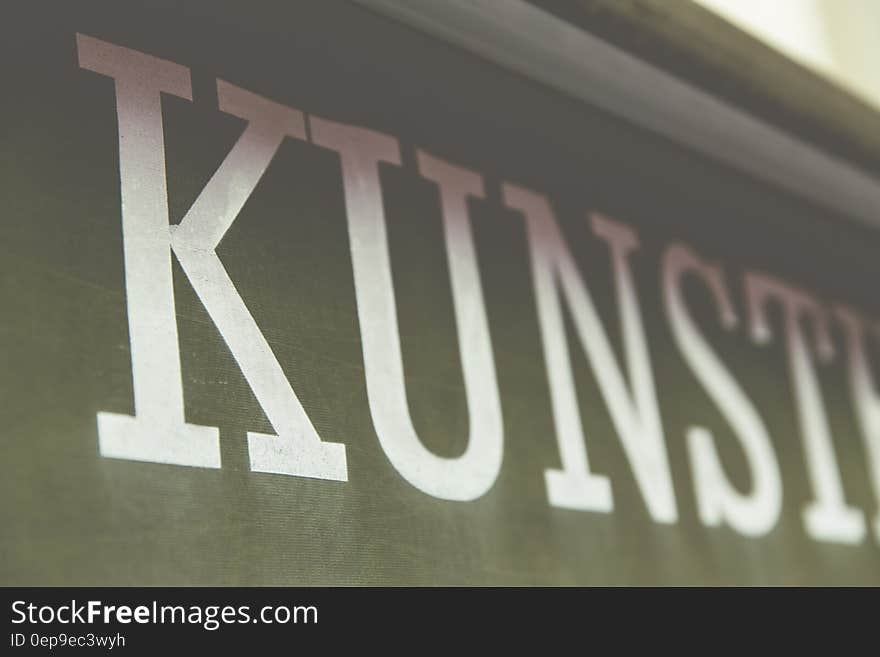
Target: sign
318	299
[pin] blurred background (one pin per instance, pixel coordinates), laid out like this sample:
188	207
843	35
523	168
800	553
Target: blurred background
839	39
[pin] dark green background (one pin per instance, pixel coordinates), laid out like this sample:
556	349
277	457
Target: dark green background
69	516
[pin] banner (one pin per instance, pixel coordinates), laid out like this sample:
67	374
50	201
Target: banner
299	295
